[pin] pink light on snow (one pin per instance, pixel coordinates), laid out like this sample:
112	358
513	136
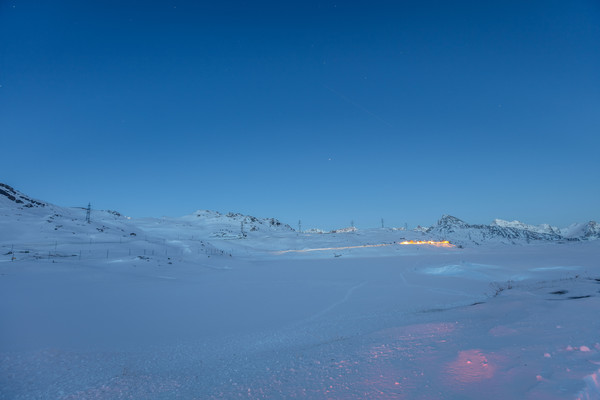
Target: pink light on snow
470	366
396	366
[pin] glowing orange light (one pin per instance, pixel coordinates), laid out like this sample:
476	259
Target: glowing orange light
442	243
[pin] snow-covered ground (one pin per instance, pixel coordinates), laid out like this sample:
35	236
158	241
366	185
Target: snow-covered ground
189	308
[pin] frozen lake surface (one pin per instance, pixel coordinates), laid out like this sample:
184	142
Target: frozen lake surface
498	321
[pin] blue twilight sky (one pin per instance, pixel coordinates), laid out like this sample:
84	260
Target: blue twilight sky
323	111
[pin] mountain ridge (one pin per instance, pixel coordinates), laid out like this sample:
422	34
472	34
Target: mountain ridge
458	231
231	224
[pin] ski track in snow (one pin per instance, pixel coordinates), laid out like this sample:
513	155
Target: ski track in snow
337	303
215	267
402	278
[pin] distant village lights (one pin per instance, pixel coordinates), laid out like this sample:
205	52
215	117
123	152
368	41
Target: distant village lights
443	243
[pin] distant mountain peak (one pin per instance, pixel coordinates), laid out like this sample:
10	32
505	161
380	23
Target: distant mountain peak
449	220
592	230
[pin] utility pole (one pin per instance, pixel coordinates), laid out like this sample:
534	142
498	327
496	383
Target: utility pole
299	226
88	212
243	233
382	222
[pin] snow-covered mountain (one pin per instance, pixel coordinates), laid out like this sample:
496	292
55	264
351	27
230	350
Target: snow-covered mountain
510	232
588	230
543	228
459	232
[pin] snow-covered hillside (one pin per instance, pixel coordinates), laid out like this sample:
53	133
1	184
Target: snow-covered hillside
11	197
23	219
219	224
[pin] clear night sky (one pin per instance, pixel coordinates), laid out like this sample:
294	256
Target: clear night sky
316	110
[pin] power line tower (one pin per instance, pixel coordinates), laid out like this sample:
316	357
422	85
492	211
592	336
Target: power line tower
382	222
88	213
299	226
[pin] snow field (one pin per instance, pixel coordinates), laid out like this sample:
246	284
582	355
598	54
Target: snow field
422	324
